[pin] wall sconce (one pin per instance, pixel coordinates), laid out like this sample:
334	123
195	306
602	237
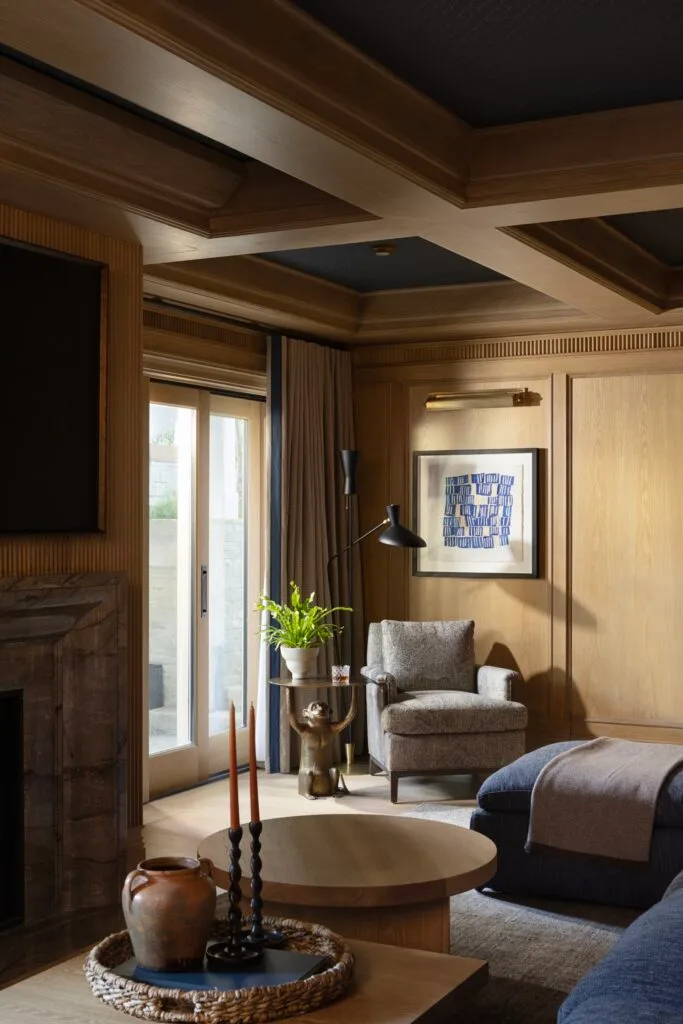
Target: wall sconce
492	399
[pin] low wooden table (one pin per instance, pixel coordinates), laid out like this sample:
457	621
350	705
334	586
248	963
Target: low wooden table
365	876
390	986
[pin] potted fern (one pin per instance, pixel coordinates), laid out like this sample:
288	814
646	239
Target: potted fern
299	630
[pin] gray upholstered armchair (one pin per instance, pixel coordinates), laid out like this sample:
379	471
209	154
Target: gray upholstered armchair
430	710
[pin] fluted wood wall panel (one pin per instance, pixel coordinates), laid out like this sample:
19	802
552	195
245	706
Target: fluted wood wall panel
203	353
596	637
536	345
120	547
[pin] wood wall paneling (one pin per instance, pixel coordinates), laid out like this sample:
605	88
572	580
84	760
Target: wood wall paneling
626	506
596	637
120	547
372	410
512	616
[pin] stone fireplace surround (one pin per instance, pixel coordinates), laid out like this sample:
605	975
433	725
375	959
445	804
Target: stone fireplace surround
63	647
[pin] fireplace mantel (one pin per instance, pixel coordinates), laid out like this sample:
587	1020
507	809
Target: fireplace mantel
63	646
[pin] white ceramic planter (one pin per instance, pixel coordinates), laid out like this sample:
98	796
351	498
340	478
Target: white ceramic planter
302	662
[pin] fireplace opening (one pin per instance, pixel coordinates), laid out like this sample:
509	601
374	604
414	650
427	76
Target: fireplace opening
11	809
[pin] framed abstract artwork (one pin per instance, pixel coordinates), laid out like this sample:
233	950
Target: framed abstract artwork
477	511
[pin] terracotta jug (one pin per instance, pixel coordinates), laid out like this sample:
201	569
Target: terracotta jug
169	904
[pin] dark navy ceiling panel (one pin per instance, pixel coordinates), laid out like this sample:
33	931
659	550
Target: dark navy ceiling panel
660	232
501	61
414	263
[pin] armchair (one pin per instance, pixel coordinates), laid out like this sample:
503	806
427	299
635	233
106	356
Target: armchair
430	710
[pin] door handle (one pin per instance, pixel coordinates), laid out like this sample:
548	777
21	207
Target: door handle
203	591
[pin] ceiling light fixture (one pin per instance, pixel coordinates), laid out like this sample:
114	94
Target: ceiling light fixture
494	398
383	249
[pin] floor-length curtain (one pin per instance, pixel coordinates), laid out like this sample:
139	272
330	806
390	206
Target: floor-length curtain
316	423
268	703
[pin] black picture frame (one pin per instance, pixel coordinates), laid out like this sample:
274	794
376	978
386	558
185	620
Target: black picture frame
530	457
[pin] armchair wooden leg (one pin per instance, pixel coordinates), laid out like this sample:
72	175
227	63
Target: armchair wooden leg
393	787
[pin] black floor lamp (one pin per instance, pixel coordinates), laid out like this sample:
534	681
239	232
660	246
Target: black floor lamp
394	533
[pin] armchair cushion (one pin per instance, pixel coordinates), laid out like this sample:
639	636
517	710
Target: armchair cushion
450	711
429	655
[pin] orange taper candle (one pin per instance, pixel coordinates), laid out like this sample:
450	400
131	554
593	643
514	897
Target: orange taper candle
234	797
253	778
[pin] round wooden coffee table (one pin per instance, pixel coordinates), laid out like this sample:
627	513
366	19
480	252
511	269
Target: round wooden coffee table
366	876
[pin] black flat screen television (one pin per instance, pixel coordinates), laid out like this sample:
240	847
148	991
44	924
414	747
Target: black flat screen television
52	391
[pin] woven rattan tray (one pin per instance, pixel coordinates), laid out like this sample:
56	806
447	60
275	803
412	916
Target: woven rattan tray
240	1006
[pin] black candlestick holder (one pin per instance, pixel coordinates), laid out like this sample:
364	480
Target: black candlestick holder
225	954
256	937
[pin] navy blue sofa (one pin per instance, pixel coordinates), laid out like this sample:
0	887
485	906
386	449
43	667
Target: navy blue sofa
502	814
640	981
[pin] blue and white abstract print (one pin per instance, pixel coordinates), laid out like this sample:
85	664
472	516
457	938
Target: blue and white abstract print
478	510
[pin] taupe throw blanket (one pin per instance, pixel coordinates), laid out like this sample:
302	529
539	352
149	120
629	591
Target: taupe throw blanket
600	798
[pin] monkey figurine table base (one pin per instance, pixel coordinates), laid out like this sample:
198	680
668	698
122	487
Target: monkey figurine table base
318	775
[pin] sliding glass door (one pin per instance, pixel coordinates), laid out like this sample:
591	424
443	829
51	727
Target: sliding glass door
205	556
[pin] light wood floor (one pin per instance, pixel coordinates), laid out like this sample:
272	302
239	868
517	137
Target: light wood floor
176	824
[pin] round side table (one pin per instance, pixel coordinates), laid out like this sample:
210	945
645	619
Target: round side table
318	775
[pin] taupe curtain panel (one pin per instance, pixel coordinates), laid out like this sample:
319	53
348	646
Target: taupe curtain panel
317	422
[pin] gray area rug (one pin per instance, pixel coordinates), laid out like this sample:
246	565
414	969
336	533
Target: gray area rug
537	949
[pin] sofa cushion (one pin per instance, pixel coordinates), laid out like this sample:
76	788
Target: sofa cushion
614	1009
641	978
429	712
429	655
509	789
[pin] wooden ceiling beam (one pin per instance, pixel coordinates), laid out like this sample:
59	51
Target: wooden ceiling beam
65	135
598	249
274	52
267	199
590	165
37	184
487	309
52	129
259	291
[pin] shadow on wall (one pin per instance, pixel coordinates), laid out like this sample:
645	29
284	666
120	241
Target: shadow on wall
551	696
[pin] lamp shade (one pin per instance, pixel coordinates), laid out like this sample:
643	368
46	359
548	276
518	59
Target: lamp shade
398	536
349	461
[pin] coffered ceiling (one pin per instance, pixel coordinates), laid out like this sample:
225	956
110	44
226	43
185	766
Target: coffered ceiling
258	148
398	263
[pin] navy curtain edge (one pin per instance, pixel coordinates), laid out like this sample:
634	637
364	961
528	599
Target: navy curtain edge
274	568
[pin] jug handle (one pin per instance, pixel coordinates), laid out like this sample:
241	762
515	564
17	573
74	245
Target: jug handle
129	887
206	866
